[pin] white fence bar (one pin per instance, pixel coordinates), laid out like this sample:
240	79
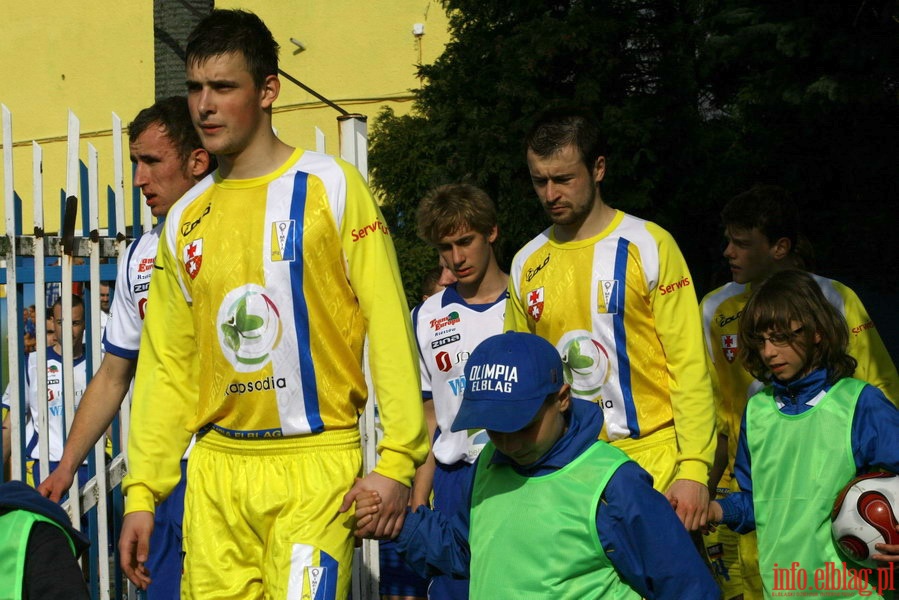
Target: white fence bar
120	247
12	302
64	331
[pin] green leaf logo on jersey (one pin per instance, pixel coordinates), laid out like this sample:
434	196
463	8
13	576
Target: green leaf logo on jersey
249	327
585	363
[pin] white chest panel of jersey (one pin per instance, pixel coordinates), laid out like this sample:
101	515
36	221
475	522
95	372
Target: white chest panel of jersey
55	402
447	330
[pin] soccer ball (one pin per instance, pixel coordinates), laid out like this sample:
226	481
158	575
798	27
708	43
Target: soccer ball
865	514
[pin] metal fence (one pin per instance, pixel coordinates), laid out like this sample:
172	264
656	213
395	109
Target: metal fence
84	254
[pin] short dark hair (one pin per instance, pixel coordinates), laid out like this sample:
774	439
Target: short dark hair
173	116
788	296
76	301
768	208
448	208
557	128
235	31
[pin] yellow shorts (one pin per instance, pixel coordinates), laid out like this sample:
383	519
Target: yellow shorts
749	561
261	520
657	453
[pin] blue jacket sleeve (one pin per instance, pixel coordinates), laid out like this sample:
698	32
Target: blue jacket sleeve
435	543
875	431
637	527
739	512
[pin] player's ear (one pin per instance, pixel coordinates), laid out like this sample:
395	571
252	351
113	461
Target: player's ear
269	91
563	396
198	162
781	248
599	169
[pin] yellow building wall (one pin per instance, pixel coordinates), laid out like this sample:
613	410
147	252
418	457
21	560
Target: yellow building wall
96	58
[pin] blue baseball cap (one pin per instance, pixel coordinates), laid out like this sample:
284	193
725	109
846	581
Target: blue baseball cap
507	378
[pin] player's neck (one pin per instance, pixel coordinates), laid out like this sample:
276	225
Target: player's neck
592	225
262	156
491	287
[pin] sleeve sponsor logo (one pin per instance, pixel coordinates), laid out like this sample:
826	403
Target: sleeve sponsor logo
374	227
673	287
863	327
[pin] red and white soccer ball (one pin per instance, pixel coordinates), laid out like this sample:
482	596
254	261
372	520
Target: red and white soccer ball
865	513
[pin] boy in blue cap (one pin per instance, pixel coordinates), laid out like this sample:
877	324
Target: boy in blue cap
553	512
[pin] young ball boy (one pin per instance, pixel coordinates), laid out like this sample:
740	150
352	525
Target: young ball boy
552	512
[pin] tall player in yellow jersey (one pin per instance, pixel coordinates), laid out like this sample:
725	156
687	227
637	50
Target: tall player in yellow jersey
614	295
270	273
761	226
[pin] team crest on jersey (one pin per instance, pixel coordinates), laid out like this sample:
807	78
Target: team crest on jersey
193	257
730	345
607	297
283	238
535	303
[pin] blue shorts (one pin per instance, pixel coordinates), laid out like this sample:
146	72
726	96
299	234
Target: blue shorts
165	560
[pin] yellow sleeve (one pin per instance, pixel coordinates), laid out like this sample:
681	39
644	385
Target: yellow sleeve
165	390
679	327
393	356
865	345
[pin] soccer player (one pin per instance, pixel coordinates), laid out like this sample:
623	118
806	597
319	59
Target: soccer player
762	230
169	160
549	511
268	277
55	400
459	220
613	293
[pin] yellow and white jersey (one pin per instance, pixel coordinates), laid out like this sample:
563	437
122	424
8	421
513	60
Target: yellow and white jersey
622	311
263	292
721	311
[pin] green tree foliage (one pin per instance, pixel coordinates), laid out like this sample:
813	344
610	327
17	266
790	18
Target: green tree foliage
698	101
811	91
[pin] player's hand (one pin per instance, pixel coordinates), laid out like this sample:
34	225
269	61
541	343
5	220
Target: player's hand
56	485
890	552
715	515
388	521
367	507
690	500
134	547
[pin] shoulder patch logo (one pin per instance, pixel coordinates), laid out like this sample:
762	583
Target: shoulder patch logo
284	240
193	257
535	303
730	345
